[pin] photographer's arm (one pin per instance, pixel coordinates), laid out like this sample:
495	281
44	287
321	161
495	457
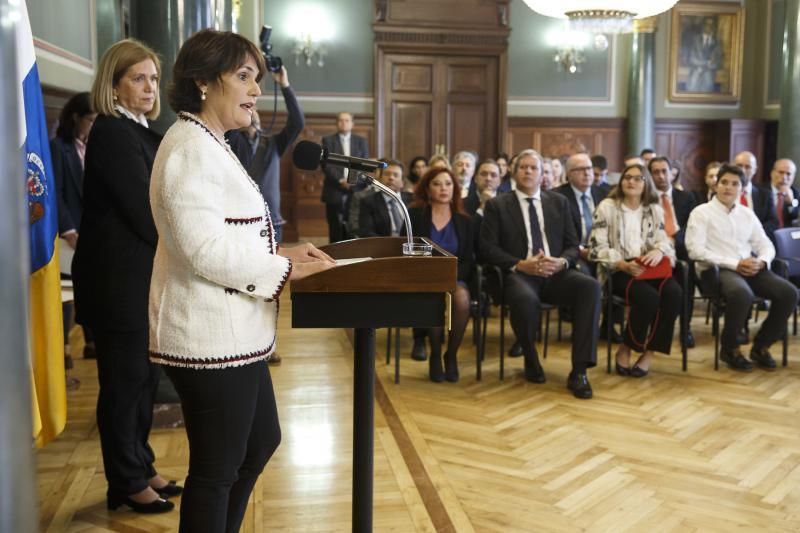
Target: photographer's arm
295	122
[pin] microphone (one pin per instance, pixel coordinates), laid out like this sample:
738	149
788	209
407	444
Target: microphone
309	155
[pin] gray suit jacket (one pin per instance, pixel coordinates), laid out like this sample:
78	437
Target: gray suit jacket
331	190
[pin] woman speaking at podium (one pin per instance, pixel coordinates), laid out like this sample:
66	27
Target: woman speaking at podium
217	276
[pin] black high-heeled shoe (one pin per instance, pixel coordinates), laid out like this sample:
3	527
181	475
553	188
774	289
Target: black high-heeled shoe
450	367
638	372
160	505
622	370
170	489
435	371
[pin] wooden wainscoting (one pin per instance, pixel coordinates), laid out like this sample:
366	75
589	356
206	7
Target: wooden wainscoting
561	137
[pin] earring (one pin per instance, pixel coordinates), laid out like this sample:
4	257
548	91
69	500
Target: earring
115	97
202	94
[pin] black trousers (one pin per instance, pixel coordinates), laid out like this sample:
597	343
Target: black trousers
740	291
645	303
232	424
333	214
569	288
128	383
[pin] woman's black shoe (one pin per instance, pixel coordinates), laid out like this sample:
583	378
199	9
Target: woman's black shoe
623	370
450	368
435	368
169	490
638	372
114	501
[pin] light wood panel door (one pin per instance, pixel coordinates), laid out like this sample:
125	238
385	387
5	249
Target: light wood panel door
430	100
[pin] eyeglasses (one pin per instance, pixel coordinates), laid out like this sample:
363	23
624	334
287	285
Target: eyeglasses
629	177
582	169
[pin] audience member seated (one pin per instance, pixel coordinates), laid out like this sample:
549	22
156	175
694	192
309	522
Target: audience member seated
487	180
632	159
547	174
559	177
439	161
527	235
710	181
464	168
628	238
505	176
379	215
600	167
785	195
724	233
416	169
582	196
647	154
437	213
756	198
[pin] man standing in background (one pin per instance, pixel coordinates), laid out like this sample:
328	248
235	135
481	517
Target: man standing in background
335	190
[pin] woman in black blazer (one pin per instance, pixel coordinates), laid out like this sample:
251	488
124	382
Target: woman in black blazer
112	267
67	151
437	213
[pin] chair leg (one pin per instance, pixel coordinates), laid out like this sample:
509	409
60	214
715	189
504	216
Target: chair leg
609	330
559	326
396	355
685	321
786	347
546	332
708	311
388	345
794	332
476	325
716	337
502	341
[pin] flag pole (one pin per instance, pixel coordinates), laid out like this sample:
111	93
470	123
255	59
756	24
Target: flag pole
18	509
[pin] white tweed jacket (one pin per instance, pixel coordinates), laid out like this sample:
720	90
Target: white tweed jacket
216	275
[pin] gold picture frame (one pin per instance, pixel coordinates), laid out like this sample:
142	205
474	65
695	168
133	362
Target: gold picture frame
705	53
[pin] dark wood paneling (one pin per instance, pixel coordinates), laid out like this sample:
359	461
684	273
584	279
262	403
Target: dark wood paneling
748	135
412	124
447	13
557	137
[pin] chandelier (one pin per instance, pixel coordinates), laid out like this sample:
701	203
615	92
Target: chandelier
600	16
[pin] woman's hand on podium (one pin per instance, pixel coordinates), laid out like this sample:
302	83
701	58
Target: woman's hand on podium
306	259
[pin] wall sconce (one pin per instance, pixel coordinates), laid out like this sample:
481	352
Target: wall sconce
307	49
569	60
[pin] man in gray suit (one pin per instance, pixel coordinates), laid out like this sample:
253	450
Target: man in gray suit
335	190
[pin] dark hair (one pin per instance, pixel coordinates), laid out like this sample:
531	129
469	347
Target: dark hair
205	57
656	159
502	155
600	162
646	151
413	178
649	195
76	108
727	168
489	162
393	163
421	198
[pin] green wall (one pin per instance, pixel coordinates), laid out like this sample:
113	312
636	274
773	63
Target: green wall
67	25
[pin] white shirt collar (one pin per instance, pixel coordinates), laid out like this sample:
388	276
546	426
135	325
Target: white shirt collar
579	193
524	197
141	119
668	192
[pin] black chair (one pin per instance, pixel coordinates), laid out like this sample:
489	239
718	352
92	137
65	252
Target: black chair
787	246
681	275
711	291
494	292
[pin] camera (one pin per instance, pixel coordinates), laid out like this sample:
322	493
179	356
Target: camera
274	63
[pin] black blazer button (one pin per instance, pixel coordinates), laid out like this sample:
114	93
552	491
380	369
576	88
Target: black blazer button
263	233
251	288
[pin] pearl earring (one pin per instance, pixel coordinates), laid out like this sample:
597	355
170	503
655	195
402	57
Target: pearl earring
115	97
202	94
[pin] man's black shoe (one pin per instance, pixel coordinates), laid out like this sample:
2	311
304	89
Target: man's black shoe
763	359
418	352
534	371
736	361
579	385
689	339
515	350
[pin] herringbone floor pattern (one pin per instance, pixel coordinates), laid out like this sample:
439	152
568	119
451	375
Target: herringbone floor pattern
696	451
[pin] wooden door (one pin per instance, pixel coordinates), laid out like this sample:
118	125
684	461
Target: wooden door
431	100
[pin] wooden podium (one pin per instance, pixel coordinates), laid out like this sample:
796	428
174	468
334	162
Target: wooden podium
389	290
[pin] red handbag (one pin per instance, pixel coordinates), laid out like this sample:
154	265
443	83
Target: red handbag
662	270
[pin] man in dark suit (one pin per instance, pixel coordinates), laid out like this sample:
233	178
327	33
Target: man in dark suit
600	168
785	195
758	199
677	206
335	190
379	215
487	180
582	196
526	234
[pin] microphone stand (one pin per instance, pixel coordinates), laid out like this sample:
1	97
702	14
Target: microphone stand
369	180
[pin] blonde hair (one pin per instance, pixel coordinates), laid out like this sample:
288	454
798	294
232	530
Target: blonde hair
115	62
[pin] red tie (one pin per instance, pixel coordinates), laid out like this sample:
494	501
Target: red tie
779	208
743	200
669	219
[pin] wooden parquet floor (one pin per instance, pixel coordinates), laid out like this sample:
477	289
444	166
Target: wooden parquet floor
696	451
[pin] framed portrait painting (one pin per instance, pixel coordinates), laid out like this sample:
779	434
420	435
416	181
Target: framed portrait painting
705	52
